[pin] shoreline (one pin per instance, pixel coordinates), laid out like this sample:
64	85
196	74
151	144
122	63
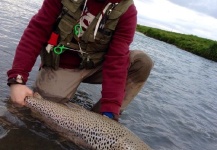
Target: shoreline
203	47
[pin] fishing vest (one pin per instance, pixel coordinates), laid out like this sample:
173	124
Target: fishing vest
94	48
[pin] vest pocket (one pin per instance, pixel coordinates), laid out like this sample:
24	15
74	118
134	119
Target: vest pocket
72	5
49	59
113	19
66	26
104	36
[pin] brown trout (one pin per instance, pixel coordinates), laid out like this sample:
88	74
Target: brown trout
86	129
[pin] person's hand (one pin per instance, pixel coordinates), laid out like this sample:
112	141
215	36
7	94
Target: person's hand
18	92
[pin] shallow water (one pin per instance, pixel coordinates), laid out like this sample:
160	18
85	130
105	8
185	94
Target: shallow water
176	109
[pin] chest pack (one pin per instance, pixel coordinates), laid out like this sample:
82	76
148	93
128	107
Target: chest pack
94	42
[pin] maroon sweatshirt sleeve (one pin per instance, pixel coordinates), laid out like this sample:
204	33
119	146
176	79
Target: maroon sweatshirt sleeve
35	35
115	66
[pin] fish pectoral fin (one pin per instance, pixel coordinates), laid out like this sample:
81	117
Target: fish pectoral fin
35	114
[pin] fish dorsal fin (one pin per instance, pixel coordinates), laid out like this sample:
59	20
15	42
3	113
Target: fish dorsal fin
71	105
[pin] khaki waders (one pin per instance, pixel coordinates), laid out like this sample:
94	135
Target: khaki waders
60	85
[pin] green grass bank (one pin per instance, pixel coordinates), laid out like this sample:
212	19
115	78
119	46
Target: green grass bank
199	46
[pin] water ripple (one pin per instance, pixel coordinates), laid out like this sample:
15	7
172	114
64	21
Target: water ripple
176	109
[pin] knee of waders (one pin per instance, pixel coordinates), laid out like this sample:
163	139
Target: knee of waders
141	65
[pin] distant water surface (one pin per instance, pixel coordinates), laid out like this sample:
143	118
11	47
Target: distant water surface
176	109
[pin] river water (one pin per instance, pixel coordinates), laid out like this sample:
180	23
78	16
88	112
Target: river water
176	109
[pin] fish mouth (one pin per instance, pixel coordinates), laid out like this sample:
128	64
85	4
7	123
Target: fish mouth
35	95
27	98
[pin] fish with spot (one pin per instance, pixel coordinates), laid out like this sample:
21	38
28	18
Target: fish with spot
86	129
